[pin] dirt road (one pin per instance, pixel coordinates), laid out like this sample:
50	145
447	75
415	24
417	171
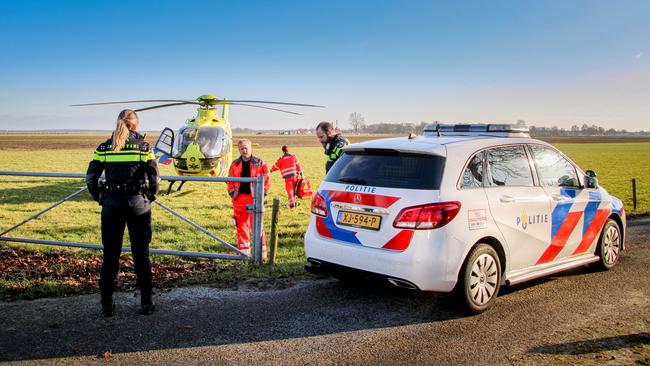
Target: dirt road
583	317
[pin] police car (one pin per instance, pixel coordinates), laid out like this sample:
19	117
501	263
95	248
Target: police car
463	207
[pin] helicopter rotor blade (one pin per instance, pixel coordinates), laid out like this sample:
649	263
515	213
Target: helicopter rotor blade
267	102
259	106
136	101
164	106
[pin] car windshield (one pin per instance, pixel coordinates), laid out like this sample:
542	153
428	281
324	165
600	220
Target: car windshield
391	169
211	141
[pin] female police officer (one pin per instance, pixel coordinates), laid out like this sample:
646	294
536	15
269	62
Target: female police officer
131	184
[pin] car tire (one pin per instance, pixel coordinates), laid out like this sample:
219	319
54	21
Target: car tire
609	245
480	278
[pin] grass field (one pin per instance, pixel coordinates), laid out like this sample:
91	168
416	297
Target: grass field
208	205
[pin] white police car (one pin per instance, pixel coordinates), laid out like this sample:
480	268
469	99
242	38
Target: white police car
466	207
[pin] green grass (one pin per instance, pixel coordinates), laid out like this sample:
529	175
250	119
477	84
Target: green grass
208	205
615	165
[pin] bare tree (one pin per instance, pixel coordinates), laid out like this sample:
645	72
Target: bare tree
357	121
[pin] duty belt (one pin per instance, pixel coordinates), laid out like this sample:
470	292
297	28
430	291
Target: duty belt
125	188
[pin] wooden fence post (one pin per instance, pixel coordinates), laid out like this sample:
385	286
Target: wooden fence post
634	193
274	230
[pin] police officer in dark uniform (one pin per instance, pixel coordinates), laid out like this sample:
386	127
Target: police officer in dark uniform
332	142
125	196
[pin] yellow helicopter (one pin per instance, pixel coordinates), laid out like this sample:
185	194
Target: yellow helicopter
204	145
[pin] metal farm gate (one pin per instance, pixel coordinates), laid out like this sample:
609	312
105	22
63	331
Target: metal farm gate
257	207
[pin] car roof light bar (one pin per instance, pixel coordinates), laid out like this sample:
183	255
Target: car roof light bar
477	129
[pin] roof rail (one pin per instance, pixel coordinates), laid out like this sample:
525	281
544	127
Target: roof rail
477	129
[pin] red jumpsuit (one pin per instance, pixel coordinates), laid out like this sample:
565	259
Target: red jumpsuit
244	219
289	167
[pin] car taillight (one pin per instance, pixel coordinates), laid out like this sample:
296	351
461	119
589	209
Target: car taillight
318	205
426	217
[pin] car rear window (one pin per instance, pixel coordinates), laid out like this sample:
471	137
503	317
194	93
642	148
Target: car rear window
388	168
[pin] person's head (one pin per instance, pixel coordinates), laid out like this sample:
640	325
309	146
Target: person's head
285	149
324	130
127	121
245	149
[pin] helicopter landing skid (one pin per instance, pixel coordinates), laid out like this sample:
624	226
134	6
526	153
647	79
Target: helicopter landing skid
171	184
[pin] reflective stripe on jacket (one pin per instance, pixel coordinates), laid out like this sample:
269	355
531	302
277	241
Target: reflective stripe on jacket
258	167
288	165
133	166
334	149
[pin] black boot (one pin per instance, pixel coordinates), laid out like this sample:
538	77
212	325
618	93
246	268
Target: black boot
146	304
108	306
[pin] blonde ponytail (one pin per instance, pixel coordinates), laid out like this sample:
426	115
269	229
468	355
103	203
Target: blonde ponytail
127	121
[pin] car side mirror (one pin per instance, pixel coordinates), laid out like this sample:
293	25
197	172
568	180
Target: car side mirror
590	179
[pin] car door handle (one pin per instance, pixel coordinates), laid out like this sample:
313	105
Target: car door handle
506	199
559	197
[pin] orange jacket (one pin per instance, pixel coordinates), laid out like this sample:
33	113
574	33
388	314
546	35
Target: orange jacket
258	167
288	165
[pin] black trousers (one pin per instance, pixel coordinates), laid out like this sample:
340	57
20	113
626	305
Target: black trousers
118	212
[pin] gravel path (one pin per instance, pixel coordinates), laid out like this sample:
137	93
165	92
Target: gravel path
582	317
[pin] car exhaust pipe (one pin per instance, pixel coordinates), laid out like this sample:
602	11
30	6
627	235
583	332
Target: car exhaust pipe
314	263
402	284
314	266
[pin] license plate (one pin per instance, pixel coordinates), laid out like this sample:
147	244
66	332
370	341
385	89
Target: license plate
359	220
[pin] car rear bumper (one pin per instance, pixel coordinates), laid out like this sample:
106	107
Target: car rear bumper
423	265
321	267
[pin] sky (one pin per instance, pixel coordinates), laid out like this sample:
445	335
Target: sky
550	63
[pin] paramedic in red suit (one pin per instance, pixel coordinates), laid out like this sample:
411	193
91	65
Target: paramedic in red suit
289	167
251	166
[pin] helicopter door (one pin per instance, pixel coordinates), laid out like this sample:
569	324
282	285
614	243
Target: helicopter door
163	148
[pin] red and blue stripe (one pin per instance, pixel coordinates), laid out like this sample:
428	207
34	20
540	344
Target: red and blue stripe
327	227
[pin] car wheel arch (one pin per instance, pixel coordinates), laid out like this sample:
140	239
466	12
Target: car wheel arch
498	247
495	244
619	222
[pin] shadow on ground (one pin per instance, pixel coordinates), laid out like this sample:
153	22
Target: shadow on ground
594	345
193	317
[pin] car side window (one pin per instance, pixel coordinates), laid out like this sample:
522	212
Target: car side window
473	174
554	170
508	166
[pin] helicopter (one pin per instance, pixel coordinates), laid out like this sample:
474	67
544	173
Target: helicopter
203	146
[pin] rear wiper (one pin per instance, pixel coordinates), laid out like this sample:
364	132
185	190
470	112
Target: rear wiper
353	180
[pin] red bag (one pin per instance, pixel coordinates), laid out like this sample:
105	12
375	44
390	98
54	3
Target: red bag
303	188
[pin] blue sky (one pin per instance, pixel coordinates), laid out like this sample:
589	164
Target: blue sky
546	62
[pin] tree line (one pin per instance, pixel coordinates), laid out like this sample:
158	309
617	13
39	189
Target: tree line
359	126
358	123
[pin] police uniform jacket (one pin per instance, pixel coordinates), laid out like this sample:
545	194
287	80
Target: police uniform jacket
334	149
130	171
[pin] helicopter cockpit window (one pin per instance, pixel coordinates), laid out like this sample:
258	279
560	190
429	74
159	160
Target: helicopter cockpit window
211	141
185	137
